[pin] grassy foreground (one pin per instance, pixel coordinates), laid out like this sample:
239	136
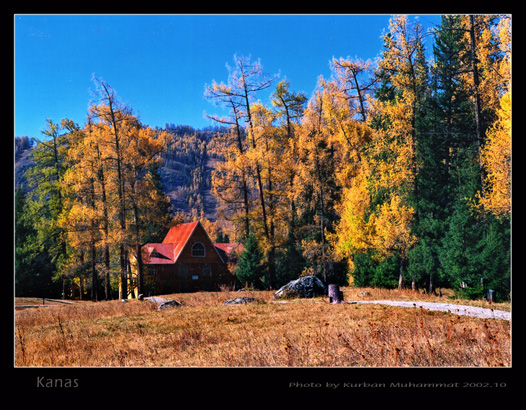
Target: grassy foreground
299	332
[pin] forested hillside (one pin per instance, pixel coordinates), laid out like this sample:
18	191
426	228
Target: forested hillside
186	171
393	173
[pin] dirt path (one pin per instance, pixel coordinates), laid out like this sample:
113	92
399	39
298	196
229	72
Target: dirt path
447	307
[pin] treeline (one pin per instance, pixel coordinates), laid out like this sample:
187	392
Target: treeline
22	144
395	173
69	231
95	197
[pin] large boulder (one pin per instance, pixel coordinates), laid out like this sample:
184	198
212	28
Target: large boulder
304	287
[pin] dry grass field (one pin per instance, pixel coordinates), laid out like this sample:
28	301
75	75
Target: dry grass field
294	332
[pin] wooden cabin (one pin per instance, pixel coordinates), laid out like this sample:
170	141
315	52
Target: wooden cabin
188	261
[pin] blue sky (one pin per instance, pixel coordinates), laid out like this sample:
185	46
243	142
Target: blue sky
160	64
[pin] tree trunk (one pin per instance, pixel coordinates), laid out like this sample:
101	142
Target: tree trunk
479	126
138	245
123	291
140	268
360	97
400	277
121	193
259	182
130	276
107	271
105	224
258	172
94	275
322	233
244	183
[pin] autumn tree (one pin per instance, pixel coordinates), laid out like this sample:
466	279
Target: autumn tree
248	79
289	111
230	178
496	158
92	134
357	82
112	119
114	196
316	190
82	218
149	206
496	152
289	107
393	153
245	80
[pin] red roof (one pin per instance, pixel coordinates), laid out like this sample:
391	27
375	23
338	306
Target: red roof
173	244
177	236
158	253
230	247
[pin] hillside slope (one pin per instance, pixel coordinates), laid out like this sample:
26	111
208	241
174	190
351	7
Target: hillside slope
186	172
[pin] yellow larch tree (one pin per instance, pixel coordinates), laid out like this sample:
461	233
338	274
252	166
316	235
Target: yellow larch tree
315	185
378	203
115	201
230	181
347	108
496	158
83	218
268	153
496	152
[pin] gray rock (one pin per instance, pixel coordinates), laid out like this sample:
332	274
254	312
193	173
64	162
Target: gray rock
156	299
364	293
243	300
168	304
304	287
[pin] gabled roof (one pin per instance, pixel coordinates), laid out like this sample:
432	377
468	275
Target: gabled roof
158	253
230	247
173	244
229	251
178	236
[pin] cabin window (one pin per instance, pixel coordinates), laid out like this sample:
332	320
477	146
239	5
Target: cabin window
207	270
198	249
183	270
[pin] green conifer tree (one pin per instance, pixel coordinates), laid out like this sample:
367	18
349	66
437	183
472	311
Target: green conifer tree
250	267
